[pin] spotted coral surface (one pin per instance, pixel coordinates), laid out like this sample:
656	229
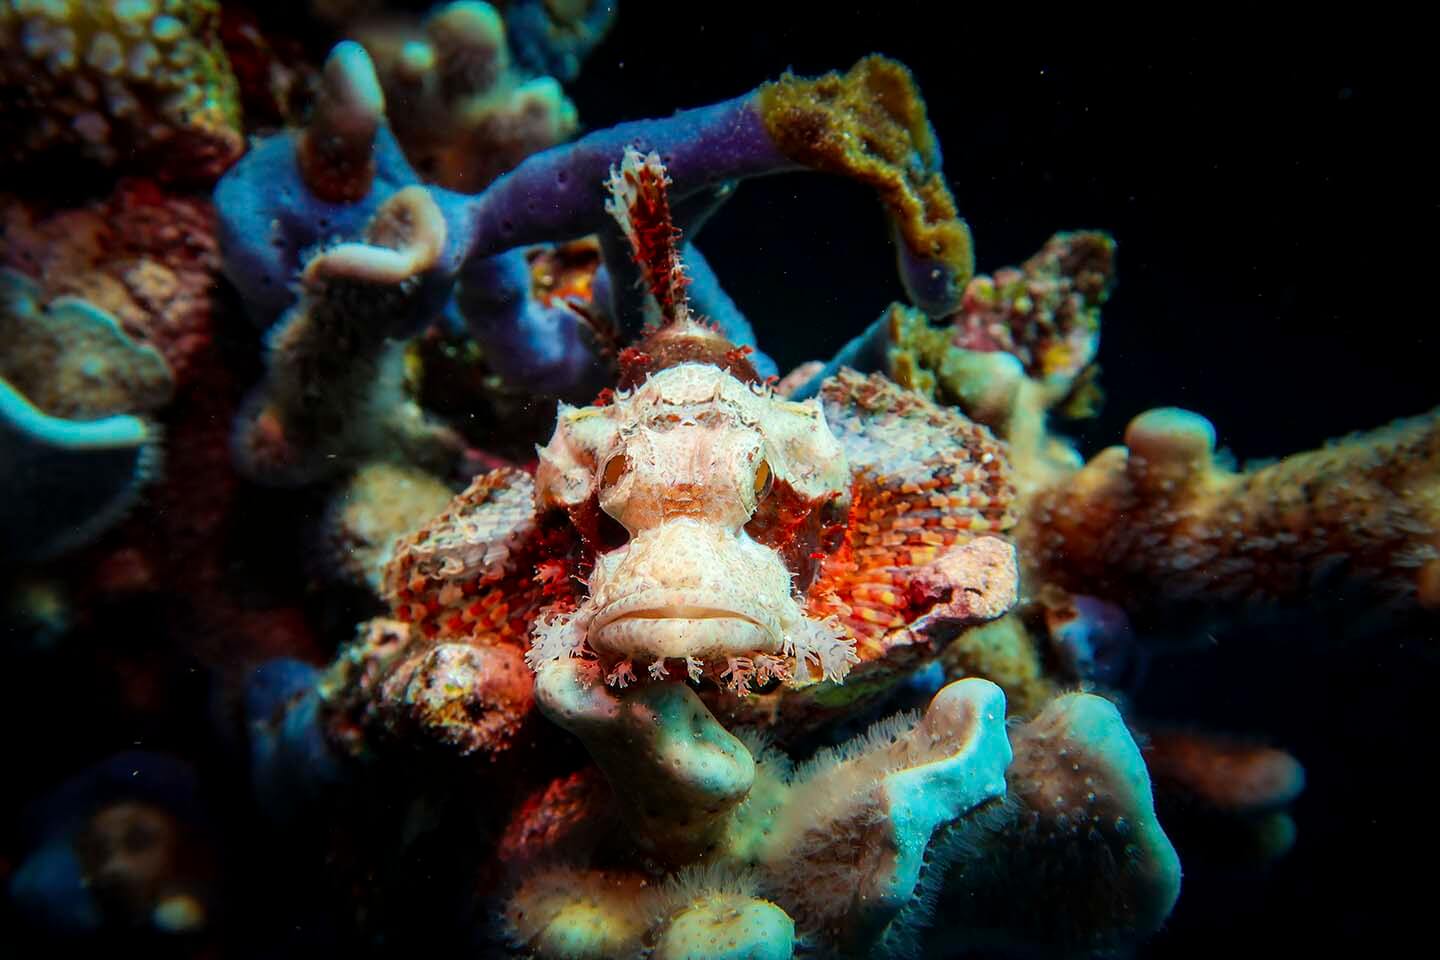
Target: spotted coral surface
146	255
468	113
121	79
1160	527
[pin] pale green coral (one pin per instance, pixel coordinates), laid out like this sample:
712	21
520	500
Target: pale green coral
71	359
837	846
850	852
679	770
72	458
1078	833
722	927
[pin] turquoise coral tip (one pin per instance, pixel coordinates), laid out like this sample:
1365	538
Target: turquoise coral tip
64	482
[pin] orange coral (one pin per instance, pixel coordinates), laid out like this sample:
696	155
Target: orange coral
1228	774
1157	523
472	698
468	114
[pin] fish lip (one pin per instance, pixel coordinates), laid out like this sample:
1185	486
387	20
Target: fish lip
680	605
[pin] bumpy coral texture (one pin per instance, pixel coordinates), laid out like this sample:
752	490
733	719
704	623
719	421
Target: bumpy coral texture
319	409
145	255
836	847
1045	314
468	114
71	359
870	124
1158	526
122	79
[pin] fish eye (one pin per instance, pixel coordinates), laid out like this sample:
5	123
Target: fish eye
614	469
764	479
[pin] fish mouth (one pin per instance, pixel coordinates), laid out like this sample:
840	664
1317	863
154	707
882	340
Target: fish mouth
682	612
669	623
679	605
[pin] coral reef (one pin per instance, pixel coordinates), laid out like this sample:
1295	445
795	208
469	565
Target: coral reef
121	82
70	384
334	394
66	481
276	207
730	664
555	36
469	115
275	76
1160	528
849	828
853	850
1044	314
1079	817
760	548
870	124
146	255
1020	344
1227	796
71	359
376	506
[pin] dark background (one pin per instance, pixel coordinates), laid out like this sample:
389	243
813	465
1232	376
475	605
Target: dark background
1276	208
1274	202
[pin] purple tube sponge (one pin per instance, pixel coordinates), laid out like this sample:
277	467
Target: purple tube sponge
868	124
269	219
281	208
546	348
297	192
270	214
